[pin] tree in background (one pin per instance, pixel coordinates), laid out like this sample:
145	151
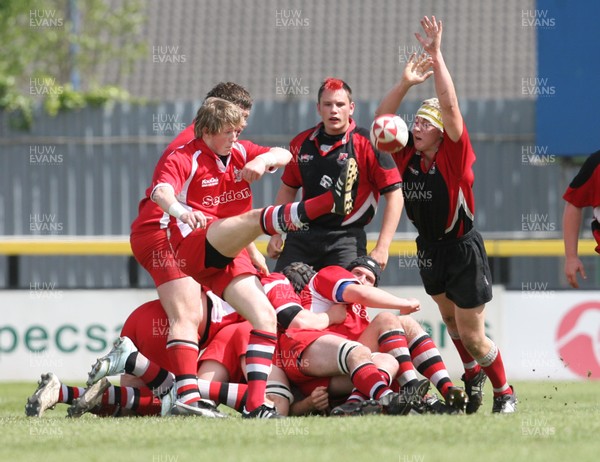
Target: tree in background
57	52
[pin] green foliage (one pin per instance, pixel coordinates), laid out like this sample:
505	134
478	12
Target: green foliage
19	106
40	50
66	98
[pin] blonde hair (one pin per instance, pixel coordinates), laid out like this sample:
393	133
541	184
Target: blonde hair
216	115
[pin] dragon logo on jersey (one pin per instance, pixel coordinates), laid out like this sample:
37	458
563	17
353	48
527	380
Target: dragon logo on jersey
237	174
342	158
413	170
326	182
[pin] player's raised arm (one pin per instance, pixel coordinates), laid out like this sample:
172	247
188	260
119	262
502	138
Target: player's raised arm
444	86
416	71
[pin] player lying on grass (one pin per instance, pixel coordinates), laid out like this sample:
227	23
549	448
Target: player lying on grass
221	362
148	326
400	336
310	353
140	355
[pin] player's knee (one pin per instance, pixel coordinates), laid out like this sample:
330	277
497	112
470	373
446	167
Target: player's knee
351	355
411	327
385	362
450	322
265	319
253	215
387	320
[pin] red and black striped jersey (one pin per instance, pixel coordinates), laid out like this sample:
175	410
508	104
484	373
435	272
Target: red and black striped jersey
584	190
439	200
318	160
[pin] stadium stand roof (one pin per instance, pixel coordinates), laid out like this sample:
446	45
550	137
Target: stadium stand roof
283	49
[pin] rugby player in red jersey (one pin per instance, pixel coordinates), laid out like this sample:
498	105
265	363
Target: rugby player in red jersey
400	336
204	189
320	154
437	183
583	191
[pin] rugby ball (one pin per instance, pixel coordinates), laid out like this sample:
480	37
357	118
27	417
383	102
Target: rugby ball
389	133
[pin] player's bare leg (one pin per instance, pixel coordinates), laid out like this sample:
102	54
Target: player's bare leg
182	301
474	378
331	355
278	391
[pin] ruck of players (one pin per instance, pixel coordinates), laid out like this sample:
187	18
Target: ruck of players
300	340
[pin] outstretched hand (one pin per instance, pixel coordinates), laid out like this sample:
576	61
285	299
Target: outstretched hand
417	69
410	305
433	35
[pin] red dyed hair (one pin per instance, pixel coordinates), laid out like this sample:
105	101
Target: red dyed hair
333	84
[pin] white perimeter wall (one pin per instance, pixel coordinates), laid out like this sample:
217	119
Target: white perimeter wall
542	334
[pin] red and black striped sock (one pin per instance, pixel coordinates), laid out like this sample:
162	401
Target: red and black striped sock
140	400
183	357
259	359
159	380
67	394
280	219
387	378
394	343
369	381
357	396
111	401
232	395
318	206
428	361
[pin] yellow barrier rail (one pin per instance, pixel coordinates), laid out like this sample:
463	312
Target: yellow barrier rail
119	245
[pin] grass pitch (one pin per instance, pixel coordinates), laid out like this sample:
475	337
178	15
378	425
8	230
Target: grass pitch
556	421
